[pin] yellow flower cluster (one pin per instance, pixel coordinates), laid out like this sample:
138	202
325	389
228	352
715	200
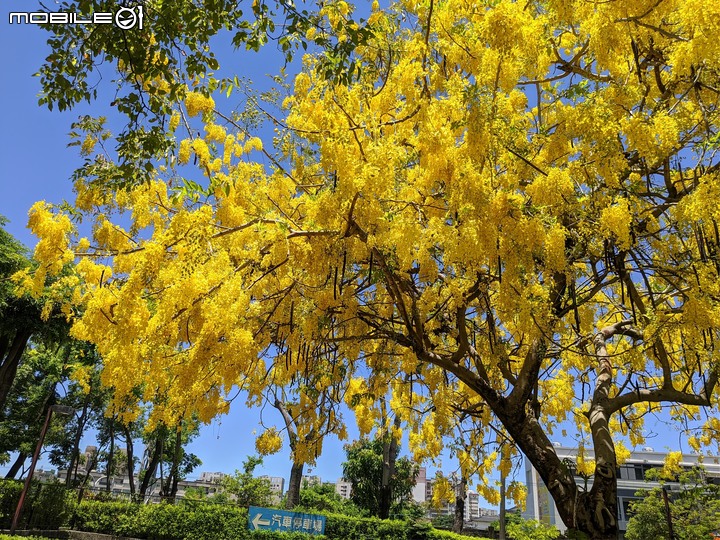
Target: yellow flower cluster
443	493
615	223
269	442
197	103
215	133
184	151
672	466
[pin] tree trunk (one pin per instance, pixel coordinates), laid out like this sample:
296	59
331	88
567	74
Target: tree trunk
293	494
130	458
16	466
390	452
296	472
109	470
75	455
149	473
592	513
460	494
10	361
502	506
175	467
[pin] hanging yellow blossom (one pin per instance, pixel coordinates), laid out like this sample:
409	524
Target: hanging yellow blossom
269	442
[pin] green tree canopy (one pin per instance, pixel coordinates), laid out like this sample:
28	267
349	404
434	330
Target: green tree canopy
363	468
324	498
694	509
248	489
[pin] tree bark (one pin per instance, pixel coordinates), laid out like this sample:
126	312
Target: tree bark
109	471
149	473
75	455
16	466
10	361
390	452
503	506
130	458
293	494
175	467
460	494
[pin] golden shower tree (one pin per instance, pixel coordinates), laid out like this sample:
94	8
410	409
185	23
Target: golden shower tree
510	212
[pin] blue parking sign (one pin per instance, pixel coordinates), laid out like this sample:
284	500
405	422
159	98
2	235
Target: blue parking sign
271	519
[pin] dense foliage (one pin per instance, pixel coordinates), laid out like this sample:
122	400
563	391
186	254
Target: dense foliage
246	488
47	506
201	521
694	511
505	218
324	498
363	468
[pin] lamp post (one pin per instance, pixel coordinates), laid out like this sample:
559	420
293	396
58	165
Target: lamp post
59	409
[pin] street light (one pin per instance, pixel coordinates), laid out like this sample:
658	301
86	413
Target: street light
59	409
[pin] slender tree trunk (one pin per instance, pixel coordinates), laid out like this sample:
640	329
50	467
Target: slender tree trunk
111	458
175	467
460	494
92	462
75	455
293	494
9	362
130	458
149	473
502	506
390	453
16	466
296	472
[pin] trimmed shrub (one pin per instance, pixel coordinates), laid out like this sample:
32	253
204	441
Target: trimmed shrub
9	496
355	528
103	517
8	537
219	522
47	506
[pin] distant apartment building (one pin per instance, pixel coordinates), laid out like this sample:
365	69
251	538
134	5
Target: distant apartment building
419	492
474	516
630	478
277	486
343	488
311	480
211	477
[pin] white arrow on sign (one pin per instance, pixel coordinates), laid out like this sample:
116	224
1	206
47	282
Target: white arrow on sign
257	521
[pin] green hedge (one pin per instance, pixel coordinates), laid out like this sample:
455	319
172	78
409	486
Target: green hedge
47	506
172	522
219	522
9	495
338	526
50	506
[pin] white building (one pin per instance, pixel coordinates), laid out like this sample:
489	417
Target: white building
277	486
211	477
343	488
311	480
419	491
630	478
